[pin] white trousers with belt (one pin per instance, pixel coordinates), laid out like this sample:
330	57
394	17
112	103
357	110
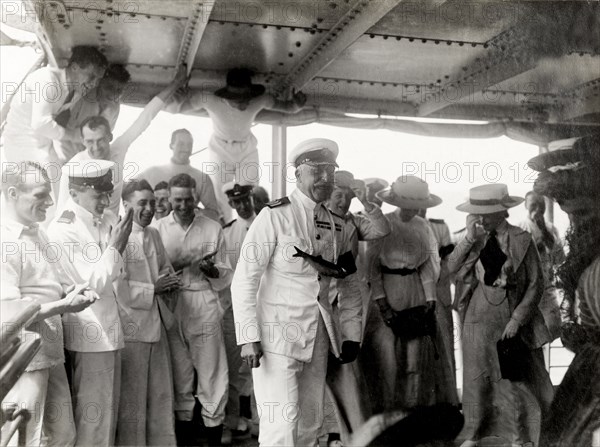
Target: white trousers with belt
289	395
196	343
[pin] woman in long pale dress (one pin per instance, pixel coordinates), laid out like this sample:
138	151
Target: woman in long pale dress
499	265
404	276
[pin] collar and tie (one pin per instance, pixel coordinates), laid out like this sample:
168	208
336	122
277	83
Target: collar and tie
492	258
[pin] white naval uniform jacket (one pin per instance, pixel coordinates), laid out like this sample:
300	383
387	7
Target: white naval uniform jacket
277	298
234	234
86	258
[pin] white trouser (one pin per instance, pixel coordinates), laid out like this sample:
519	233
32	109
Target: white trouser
45	394
289	395
205	353
146	415
96	382
228	161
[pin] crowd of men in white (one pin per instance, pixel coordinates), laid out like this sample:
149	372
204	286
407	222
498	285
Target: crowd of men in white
165	306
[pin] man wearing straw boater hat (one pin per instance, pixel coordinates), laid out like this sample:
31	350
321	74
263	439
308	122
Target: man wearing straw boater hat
500	281
232	150
403	283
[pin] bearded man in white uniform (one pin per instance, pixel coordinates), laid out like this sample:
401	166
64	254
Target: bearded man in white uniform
280	301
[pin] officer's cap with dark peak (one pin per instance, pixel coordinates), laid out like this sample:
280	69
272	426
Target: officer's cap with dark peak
94	174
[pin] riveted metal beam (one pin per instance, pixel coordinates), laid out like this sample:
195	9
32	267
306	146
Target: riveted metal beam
512	52
194	30
580	101
361	16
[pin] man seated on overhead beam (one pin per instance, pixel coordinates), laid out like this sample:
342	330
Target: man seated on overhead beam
232	152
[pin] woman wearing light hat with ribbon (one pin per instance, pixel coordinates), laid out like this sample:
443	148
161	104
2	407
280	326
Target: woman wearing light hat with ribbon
507	389
403	283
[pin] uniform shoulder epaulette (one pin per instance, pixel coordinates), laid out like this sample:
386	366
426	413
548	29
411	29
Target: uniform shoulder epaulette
227	225
436	221
66	217
278	202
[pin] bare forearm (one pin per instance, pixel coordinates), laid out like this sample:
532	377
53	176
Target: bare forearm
50	309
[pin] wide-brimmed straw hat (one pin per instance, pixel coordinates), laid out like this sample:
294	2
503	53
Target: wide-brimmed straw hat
489	199
239	85
566	154
409	192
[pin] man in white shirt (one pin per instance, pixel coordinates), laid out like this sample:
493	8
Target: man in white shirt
92	244
30	126
182	143
146	414
29	274
195	246
232	152
280	302
240	376
97	139
104	100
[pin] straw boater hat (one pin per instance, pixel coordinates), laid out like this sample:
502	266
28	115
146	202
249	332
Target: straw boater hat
409	192
489	199
345	179
240	86
569	172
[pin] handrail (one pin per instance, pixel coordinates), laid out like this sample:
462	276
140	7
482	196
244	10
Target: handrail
13	369
17	422
16	352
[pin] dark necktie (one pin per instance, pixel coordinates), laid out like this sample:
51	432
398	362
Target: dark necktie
492	257
62	119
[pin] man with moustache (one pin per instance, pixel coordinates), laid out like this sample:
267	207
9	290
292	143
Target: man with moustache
92	247
97	139
240	377
195	245
280	302
182	144
29	274
146	403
